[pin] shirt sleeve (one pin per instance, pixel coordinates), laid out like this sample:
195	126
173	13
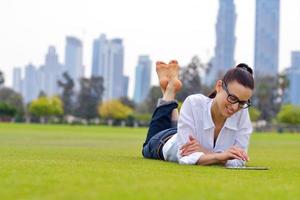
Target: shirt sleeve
186	127
242	140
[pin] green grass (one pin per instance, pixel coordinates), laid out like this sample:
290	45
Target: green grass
77	162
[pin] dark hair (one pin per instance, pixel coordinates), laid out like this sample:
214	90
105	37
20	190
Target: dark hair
242	73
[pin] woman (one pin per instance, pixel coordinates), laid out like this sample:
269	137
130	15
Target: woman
210	130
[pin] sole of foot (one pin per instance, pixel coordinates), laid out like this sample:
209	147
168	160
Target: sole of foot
162	70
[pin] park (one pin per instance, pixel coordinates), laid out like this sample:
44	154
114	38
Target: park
102	162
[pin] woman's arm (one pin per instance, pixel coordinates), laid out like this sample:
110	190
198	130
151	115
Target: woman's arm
186	127
242	139
210	157
223	157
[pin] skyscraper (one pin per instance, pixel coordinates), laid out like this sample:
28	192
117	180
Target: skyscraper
266	37
31	83
17	79
142	78
293	76
73	60
108	62
42	79
225	41
100	49
51	72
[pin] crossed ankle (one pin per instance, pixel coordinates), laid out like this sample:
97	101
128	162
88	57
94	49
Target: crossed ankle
161	102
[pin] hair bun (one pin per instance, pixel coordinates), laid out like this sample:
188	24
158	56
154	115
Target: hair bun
244	66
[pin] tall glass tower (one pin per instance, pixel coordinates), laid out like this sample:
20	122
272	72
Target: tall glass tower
17	78
225	41
142	78
108	62
266	38
293	76
73	60
51	72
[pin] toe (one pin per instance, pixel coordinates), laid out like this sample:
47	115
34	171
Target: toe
160	63
173	62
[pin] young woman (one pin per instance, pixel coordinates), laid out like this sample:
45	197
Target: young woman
209	130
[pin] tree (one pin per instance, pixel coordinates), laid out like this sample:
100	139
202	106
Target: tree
12	99
254	114
267	97
45	107
90	96
114	109
1	78
150	102
191	80
6	111
67	93
42	94
289	114
128	102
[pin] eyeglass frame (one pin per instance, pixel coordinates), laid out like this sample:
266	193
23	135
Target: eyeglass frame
248	102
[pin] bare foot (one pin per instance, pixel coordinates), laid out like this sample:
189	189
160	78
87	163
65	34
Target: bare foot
162	72
174	75
173	69
173	86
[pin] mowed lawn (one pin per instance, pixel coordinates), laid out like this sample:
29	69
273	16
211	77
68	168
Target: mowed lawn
94	162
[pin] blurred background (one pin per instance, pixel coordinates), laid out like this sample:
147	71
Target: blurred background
93	62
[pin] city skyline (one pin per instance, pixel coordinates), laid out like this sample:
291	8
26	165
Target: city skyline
163	37
108	56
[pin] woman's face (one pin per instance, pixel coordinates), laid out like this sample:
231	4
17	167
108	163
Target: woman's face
231	97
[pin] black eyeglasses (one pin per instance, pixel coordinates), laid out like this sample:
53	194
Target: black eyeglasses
231	98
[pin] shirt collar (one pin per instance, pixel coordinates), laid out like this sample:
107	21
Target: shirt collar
230	123
207	118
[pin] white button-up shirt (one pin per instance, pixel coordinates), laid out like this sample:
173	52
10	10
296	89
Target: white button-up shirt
195	119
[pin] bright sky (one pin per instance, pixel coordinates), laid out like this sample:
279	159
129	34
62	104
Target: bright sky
163	29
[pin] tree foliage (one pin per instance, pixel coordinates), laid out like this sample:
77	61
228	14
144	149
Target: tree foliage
114	109
1	78
254	114
289	114
67	94
128	102
267	97
12	99
7	110
46	107
191	79
150	102
90	96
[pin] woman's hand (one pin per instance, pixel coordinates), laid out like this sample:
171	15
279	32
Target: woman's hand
192	146
233	153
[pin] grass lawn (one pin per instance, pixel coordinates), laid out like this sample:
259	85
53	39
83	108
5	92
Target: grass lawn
78	162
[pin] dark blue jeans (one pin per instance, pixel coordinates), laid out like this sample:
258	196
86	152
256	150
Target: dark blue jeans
161	128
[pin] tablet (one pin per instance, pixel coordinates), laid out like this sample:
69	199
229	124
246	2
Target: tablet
249	168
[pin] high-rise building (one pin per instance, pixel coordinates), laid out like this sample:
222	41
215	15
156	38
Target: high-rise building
17	79
293	76
31	83
42	79
108	62
100	50
266	37
225	42
73	60
142	78
51	72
